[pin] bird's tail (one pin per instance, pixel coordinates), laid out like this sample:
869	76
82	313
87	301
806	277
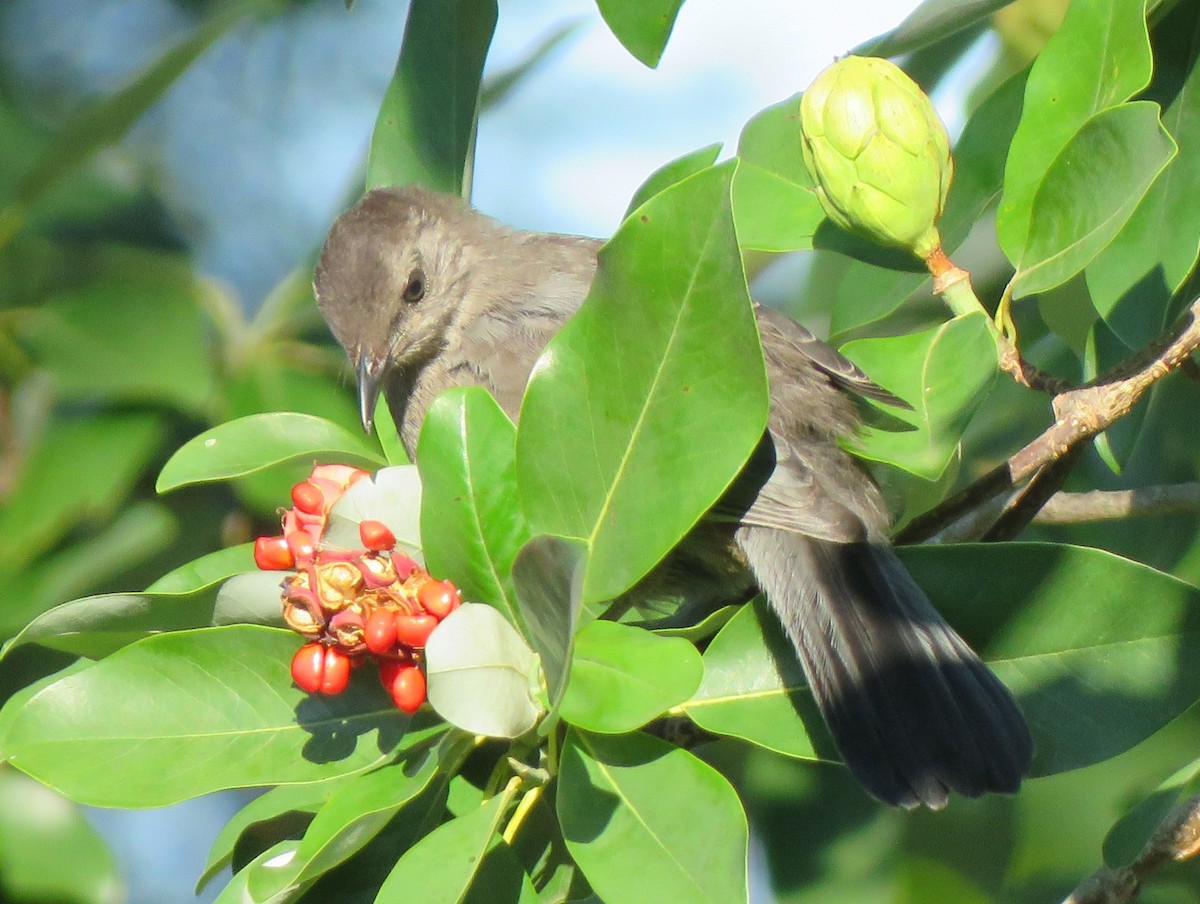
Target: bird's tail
914	712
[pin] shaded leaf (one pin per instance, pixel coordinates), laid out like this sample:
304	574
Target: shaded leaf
647	821
425	132
1090	192
754	689
258	441
1098	58
1125	840
595	439
642	26
471	520
442	865
548	573
1098	649
206	710
944	373
481	673
1116	444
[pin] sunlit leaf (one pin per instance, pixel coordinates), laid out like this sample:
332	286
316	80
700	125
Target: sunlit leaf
642	26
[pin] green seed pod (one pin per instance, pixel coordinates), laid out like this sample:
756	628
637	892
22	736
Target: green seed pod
878	152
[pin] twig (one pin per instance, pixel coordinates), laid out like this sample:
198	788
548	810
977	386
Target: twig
1080	414
1177	838
1113	505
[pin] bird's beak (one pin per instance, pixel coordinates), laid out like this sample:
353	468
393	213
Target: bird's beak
371	372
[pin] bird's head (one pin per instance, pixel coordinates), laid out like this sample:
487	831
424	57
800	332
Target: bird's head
390	282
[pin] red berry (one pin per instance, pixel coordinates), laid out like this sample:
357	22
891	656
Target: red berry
307	497
408	688
413	630
376	536
379	633
319	669
388	669
273	554
439	598
300	545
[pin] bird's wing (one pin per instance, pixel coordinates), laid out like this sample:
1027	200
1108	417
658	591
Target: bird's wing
785	338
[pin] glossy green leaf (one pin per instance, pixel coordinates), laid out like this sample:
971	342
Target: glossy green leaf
275	859
1131	282
443	864
701	630
774	204
1129	834
97	626
202	710
642	26
622	677
207	570
359	810
647	821
548	573
754	689
626	393
1098	649
471	520
930	22
944	373
425	132
48	850
253	443
1116	444
81	470
501	879
299	801
481	673
675	171
1098	58
1089	193
389	435
863	292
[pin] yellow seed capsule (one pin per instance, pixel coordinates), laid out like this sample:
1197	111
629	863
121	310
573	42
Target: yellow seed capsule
339	583
299	619
878	152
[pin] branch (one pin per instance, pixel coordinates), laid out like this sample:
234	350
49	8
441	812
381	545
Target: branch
1080	415
1176	839
1113	505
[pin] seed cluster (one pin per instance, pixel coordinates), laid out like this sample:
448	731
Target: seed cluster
353	604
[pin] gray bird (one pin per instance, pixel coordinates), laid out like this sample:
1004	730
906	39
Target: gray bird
424	293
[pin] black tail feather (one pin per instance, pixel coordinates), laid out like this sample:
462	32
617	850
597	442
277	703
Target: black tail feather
914	712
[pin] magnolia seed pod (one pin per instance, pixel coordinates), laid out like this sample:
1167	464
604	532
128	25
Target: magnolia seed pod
298	617
878	152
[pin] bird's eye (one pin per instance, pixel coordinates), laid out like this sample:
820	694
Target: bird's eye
415	290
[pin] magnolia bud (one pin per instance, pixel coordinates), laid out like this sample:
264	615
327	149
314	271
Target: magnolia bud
878	152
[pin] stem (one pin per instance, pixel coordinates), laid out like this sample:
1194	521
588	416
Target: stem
528	801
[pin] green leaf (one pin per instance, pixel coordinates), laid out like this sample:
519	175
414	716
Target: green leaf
595	439
133	332
109	119
425	132
207	570
1131	282
203	710
642	26
442	865
930	22
548	573
481	672
471	520
754	689
278	857
647	821
1094	673
300	801
1130	833
359	810
97	626
49	498
675	171
1089	193
250	444
48	850
1104	350
774	202
501	879
389	435
944	373
622	677
1098	58
863	292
